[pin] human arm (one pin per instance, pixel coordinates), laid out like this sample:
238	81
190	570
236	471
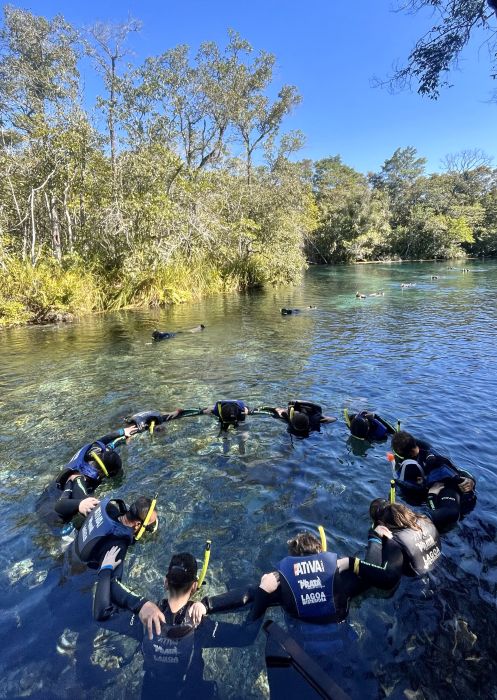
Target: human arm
112	596
74	498
328	419
385	575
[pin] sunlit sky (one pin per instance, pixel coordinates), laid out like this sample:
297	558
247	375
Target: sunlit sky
331	50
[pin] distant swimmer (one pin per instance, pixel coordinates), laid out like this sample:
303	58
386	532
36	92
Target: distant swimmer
289	312
162	335
405	285
358	295
434	277
381	293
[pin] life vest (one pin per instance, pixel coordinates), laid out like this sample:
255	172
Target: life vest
171	650
421	548
79	461
98	525
310	579
143	419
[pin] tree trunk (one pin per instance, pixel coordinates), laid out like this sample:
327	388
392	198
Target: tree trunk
54	218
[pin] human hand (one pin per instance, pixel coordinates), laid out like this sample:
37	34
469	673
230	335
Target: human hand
383	531
110	558
270	582
151	616
87	505
466	485
436	488
197	611
343	564
130	430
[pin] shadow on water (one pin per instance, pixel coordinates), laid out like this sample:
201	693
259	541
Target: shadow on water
422	354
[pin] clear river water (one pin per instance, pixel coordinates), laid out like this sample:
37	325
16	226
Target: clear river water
425	355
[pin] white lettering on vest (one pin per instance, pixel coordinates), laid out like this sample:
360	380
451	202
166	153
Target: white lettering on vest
311	598
313	583
301	568
432	556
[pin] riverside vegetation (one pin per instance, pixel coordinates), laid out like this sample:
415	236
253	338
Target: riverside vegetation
180	181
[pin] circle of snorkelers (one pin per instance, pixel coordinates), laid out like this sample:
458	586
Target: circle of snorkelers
313	586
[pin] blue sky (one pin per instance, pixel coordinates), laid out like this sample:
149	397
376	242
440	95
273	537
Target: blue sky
329	49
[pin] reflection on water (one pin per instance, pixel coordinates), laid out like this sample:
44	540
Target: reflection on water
423	354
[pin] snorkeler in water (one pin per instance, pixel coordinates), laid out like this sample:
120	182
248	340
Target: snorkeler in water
163	335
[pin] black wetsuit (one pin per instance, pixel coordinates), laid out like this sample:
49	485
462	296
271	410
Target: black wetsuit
60	501
446	507
311	410
173	660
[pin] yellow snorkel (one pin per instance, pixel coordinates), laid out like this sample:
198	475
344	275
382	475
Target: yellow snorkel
151	427
392	491
205	565
322	535
97	459
147	518
346	416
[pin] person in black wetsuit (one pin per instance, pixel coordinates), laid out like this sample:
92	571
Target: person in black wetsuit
151	420
302	417
369	426
401	542
229	412
164	335
172	654
71	494
289	312
423	474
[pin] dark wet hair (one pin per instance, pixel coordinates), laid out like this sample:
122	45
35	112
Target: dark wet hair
112	462
359	427
299	423
395	516
182	572
138	510
303	544
403	444
229	413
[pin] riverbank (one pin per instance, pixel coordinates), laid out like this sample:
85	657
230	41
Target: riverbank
52	293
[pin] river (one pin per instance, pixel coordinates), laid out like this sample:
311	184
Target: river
425	355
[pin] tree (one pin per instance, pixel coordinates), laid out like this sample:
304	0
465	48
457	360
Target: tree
436	53
398	177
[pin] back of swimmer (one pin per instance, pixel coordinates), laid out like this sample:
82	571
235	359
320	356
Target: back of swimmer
302	417
421	470
230	412
172	652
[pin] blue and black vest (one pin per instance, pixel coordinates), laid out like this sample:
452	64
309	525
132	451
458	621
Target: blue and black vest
79	462
310	579
98	525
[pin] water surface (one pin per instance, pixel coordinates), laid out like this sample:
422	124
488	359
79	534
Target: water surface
424	355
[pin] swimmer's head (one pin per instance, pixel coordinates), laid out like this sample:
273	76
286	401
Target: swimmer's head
404	445
229	413
182	573
359	427
112	462
376	509
304	544
299	423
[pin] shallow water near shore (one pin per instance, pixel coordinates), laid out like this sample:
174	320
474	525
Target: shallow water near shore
423	354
